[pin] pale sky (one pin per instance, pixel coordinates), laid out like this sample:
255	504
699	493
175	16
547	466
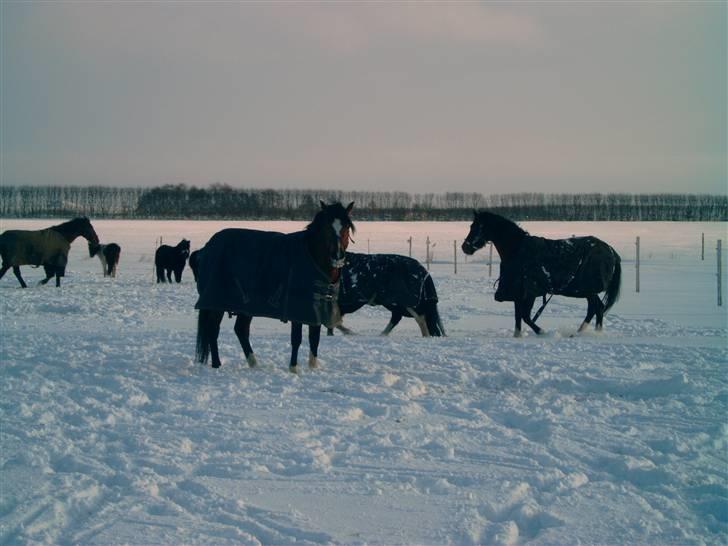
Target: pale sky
421	97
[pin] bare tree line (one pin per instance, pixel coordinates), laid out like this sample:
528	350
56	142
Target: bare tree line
220	201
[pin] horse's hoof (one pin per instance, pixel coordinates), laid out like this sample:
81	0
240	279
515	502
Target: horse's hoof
293	369
313	362
252	361
517	333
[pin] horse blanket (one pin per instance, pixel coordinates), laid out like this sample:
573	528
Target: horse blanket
383	279
575	267
265	274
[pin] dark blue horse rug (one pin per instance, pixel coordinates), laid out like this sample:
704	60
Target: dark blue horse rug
576	267
265	274
384	279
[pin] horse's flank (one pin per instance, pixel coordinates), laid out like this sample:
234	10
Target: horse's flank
43	247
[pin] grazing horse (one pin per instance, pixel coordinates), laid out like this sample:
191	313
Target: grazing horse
251	273
398	283
170	259
47	247
580	267
108	254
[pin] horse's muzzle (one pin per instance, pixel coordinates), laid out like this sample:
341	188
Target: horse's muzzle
468	248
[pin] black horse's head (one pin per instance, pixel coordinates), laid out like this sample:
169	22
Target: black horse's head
93	249
329	234
478	235
184	248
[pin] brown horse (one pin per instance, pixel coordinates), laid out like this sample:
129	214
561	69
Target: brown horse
47	247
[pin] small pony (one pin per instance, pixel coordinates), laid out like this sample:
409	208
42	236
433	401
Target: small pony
194	261
169	259
47	247
108	254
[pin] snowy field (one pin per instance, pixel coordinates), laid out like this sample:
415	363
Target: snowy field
111	433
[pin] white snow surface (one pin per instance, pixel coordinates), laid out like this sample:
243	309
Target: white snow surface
111	433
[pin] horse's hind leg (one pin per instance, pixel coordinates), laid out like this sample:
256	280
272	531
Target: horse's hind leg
242	330
160	274
393	321
593	306
208	330
16	270
314	336
4	270
296	337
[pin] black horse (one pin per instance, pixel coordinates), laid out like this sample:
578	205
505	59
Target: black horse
169	259
580	267
194	261
398	283
47	247
250	273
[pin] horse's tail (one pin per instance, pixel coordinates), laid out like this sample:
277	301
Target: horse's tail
432	316
204	338
612	293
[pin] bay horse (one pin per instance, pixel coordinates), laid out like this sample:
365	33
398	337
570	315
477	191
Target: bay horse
251	273
47	247
399	283
580	267
108	254
171	259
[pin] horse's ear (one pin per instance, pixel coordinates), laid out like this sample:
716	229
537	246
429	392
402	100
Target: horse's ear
323	205
349	207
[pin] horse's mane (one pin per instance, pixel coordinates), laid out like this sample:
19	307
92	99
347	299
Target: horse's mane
335	210
70	227
500	224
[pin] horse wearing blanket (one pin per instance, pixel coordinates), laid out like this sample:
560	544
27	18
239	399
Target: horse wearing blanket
251	273
398	283
580	267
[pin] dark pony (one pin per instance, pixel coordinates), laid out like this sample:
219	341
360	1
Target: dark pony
47	247
398	283
251	273
108	254
580	267
169	259
194	261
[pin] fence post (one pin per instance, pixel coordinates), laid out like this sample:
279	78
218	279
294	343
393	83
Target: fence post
368	247
158	243
490	261
410	246
702	247
427	256
637	263
455	255
720	274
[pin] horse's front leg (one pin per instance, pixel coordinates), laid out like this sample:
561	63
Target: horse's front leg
242	330
517	311
296	337
16	270
526	307
314	336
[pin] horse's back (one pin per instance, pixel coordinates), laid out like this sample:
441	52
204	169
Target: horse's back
263	274
575	267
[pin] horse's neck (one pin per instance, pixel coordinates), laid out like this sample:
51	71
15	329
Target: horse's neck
67	234
509	242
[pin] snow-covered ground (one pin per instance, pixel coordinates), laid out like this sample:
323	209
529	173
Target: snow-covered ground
111	433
